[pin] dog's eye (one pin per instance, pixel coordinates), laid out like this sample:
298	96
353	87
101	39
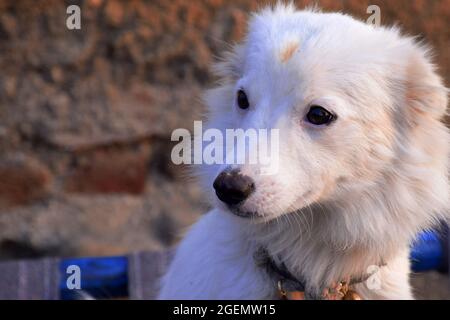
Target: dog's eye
318	115
242	100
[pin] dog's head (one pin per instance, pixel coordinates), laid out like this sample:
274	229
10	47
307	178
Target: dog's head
357	109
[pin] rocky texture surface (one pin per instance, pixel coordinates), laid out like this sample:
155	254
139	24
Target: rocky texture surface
86	115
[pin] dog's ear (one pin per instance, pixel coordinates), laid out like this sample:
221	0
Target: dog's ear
425	93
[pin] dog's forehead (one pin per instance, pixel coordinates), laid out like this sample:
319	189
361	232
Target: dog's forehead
269	42
278	36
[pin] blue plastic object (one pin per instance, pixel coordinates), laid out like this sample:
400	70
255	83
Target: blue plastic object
101	277
427	253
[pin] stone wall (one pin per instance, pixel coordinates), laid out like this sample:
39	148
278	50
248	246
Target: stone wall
86	115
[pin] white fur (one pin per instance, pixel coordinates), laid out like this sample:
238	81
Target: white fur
348	195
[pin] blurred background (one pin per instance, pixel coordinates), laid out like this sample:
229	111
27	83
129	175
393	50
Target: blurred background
86	116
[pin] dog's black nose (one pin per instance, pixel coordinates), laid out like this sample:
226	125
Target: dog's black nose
232	187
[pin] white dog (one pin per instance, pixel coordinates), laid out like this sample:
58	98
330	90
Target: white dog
363	164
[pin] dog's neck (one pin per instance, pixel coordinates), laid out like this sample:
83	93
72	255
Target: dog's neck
303	242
